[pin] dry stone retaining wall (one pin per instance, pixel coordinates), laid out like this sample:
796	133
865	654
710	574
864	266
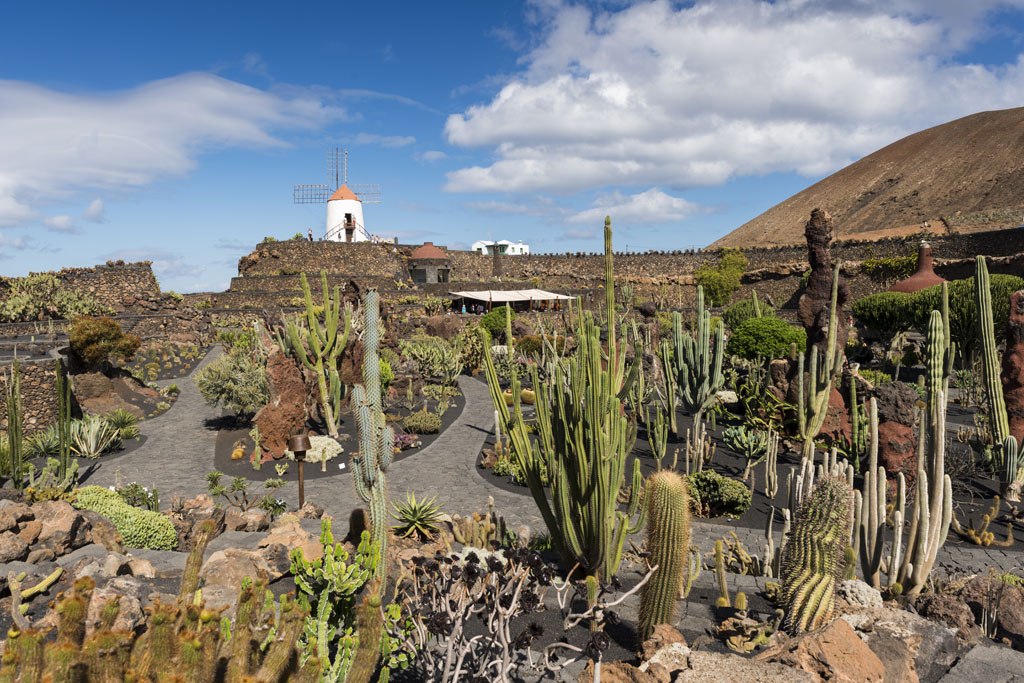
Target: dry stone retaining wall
116	284
38	396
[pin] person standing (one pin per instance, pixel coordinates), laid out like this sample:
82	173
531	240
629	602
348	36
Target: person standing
309	234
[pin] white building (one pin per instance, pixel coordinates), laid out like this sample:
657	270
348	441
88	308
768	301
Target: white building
488	247
345	217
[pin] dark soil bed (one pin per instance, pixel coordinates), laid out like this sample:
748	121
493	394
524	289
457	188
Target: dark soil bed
229	432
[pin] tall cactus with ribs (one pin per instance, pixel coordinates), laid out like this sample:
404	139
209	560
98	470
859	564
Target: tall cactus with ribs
693	361
376	438
1005	445
814	390
318	346
14	468
583	441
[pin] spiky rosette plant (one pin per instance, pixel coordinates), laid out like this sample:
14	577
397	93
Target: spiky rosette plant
668	542
815	555
376	438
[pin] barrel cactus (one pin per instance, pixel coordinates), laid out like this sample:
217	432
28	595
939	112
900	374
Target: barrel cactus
668	541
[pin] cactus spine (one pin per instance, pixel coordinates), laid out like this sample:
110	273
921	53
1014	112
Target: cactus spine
319	346
583	441
813	559
668	541
376	439
813	391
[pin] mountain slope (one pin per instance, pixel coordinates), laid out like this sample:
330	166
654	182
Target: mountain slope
969	172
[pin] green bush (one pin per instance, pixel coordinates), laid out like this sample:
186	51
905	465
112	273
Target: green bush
743	310
43	296
237	380
434	357
138	528
765	338
470	348
876	377
888	313
721	281
494	323
97	340
422	422
714	495
890	268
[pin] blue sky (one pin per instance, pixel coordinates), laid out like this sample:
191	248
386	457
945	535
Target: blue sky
175	132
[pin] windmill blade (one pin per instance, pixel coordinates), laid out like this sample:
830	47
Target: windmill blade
311	194
368	193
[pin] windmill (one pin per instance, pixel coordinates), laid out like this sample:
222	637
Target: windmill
344	202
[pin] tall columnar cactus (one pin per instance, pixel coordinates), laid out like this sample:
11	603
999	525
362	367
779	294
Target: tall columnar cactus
933	501
15	463
63	422
376	438
668	541
1011	469
609	287
871	513
695	359
583	444
813	391
813	559
319	345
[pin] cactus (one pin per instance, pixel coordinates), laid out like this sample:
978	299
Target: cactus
871	513
584	440
1011	478
694	360
482	530
318	346
668	541
752	444
771	466
657	435
814	556
194	562
723	586
376	439
813	391
981	535
64	460
14	461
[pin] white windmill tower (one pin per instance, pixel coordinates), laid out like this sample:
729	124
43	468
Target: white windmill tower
344	202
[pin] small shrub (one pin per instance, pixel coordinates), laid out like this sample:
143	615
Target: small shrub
494	322
876	377
743	310
765	338
139	496
97	340
714	495
422	422
469	347
721	281
890	268
138	528
237	380
434	357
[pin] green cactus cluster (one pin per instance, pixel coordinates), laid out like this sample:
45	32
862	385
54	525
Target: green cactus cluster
482	529
182	642
376	438
813	559
138	528
692	361
319	345
668	542
583	443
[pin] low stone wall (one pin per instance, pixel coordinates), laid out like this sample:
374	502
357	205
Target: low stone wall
292	257
38	396
117	284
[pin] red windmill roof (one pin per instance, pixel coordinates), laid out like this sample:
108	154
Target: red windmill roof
344	193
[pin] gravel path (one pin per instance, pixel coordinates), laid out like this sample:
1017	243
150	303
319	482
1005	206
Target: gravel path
179	449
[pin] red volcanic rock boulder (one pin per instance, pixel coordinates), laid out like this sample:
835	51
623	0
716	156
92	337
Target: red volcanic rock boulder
813	307
896	449
837	418
285	414
1013	366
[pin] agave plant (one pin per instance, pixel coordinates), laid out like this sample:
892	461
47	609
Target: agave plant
93	436
125	422
46	442
417	517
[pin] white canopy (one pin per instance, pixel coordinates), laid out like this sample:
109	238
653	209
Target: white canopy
499	296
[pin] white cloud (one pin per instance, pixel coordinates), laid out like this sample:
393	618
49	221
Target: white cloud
55	144
61	223
432	155
95	211
652	206
384	140
9	244
696	95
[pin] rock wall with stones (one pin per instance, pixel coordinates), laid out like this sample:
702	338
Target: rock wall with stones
122	286
38	396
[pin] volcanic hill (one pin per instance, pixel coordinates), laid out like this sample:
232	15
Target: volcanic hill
960	176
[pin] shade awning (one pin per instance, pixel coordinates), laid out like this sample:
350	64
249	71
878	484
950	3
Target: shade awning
509	295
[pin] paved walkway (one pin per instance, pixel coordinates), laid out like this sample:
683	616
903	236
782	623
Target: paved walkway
179	451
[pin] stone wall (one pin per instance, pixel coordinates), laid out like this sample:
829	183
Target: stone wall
122	286
38	396
338	258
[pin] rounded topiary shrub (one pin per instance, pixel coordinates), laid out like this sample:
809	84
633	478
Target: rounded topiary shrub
765	338
97	340
714	495
494	322
138	528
